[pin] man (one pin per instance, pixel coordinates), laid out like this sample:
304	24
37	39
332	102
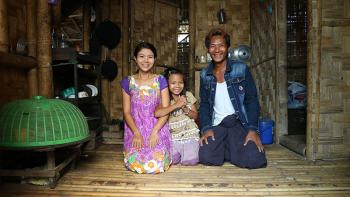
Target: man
229	109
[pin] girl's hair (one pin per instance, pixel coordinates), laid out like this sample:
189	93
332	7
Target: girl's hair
145	45
217	32
172	71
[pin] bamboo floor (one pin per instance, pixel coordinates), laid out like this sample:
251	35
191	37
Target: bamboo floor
101	173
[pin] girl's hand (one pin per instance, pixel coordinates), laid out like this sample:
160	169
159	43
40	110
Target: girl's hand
153	139
137	140
181	101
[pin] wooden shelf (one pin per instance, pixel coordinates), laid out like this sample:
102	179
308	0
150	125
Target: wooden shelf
18	61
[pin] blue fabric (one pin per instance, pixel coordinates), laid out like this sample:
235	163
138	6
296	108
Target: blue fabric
228	146
242	91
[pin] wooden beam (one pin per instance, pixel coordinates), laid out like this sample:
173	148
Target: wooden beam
44	49
86	25
31	37
4	42
18	61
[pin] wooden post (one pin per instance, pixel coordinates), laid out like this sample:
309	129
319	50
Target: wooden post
4	40
86	25
57	12
192	32
314	14
31	37
125	39
105	84
44	49
281	70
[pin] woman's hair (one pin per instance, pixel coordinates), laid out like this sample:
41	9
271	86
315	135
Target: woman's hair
217	32
172	71
145	45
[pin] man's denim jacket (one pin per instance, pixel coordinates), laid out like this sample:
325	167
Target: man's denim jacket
242	91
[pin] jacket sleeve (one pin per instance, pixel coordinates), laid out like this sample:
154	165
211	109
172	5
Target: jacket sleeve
251	102
204	111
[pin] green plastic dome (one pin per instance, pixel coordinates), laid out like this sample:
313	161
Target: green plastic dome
41	122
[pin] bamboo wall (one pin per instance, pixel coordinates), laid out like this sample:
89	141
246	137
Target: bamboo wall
328	79
205	18
263	54
14	80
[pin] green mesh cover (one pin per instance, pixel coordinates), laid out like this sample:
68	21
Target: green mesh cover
41	122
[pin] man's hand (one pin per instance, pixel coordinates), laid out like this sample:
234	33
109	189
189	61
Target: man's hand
253	136
209	133
137	140
153	139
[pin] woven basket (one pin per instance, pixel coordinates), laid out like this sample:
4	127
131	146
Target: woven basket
39	122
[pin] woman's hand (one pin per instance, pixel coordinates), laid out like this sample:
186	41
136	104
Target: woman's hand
137	140
153	139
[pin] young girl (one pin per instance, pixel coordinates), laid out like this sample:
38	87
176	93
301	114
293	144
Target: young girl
147	140
183	113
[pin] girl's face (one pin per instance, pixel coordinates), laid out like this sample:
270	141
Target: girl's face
145	60
176	84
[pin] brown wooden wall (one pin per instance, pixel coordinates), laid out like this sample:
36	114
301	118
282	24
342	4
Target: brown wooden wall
14	80
328	79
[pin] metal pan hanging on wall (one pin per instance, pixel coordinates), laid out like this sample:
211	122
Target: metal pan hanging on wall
240	53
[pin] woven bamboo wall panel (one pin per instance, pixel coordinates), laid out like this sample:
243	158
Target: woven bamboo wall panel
237	21
156	22
263	48
331	125
165	34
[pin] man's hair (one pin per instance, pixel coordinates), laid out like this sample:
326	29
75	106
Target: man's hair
217	32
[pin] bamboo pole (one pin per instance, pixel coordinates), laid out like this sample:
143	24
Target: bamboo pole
105	84
86	25
281	70
192	33
313	76
56	13
4	40
31	37
44	49
125	39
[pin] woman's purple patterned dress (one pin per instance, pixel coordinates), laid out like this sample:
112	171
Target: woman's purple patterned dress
144	100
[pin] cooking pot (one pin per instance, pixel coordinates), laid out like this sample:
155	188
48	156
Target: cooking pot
109	69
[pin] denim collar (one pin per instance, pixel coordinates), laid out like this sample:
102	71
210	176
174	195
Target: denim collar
211	67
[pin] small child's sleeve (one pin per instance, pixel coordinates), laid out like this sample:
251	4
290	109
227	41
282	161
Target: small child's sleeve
124	83
162	82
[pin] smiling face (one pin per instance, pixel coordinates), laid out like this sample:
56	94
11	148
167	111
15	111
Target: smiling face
218	49
145	59
176	84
